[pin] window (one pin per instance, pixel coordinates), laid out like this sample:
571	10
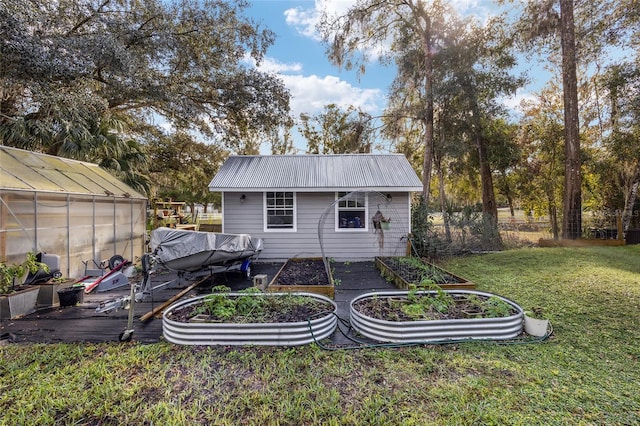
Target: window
280	211
351	212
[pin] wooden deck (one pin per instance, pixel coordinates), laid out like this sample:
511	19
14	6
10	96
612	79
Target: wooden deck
82	323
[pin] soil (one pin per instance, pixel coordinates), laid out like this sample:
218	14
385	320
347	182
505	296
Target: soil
415	275
390	309
303	272
267	313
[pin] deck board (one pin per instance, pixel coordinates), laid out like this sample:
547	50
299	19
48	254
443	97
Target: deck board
82	323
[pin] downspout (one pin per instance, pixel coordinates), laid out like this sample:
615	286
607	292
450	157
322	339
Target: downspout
68	235
35	220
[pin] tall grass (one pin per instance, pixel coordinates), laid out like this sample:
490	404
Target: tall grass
586	373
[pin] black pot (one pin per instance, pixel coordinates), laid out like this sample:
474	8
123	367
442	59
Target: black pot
70	296
633	236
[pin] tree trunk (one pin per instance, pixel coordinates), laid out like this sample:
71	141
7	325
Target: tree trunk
507	193
553	220
572	199
491	235
489	205
428	119
630	199
443	199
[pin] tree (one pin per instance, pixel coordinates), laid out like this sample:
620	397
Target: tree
556	25
66	64
505	155
337	131
181	167
622	83
476	64
539	174
572	195
370	27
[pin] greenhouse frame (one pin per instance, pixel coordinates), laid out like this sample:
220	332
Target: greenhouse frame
69	208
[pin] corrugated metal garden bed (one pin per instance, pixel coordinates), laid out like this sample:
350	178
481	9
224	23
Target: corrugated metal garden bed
197	321
425	316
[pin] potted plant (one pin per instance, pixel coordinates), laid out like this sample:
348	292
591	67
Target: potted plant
18	299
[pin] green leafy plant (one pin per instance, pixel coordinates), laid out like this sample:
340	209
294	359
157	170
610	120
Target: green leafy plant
424	270
217	304
494	307
420	304
250	306
9	273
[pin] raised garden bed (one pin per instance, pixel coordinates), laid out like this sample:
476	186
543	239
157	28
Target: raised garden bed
236	318
422	316
407	271
19	303
303	274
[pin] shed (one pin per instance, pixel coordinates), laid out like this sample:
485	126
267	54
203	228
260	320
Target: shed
69	208
315	205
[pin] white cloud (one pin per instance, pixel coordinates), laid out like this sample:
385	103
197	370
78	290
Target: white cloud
311	93
515	102
305	20
271	65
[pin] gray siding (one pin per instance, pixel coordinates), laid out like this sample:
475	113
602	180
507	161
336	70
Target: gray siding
247	218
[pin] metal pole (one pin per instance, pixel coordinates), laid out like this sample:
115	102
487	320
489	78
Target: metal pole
35	221
68	235
93	231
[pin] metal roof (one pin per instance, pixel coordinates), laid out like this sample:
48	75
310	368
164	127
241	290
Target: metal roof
316	172
31	171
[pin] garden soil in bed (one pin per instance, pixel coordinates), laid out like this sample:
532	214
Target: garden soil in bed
390	309
267	312
305	271
303	274
403	273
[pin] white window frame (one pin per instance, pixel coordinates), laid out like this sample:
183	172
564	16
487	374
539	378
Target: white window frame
266	209
339	208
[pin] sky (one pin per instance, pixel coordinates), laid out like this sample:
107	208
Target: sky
298	57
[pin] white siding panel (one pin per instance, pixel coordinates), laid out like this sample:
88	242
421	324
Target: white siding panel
247	218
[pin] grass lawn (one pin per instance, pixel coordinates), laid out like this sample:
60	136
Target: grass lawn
586	373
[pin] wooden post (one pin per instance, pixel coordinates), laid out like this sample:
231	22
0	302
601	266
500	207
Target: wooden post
619	226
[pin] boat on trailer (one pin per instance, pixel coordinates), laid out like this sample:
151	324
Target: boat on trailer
192	254
194	251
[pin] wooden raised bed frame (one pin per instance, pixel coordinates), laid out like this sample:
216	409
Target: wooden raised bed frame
325	290
388	273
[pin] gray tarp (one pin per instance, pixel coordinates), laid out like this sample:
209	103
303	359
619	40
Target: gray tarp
192	250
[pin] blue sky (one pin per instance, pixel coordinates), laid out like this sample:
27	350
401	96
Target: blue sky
298	56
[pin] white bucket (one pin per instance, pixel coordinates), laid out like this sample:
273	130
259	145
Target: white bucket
535	327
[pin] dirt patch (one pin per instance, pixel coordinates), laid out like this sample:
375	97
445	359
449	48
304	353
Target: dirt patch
302	272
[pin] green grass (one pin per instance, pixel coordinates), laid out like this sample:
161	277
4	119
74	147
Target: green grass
586	373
